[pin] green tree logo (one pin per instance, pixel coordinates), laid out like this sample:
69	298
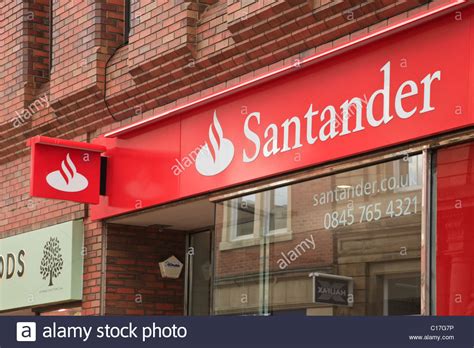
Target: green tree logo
52	261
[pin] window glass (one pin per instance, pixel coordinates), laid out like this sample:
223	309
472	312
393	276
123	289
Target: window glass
410	171
351	246
199	273
238	290
401	294
243	214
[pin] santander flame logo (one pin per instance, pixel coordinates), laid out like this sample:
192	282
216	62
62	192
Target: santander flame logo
212	160
67	179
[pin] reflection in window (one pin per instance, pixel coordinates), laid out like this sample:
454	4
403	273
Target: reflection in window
401	295
278	210
242	216
409	172
363	224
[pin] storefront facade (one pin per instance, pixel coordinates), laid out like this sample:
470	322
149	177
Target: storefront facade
340	184
384	223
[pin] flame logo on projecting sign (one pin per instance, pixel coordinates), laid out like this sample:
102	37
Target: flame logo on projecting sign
67	179
212	160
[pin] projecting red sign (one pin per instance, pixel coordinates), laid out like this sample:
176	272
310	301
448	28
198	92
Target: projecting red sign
66	170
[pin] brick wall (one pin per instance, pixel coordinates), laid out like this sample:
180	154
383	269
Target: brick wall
133	284
178	51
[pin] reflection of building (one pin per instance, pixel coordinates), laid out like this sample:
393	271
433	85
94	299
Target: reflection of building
375	241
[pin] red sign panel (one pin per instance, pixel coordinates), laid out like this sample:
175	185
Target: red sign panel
65	170
403	87
454	230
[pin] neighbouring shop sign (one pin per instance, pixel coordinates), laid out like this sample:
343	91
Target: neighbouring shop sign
42	267
401	87
333	289
66	170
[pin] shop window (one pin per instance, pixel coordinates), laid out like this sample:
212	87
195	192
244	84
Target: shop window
356	226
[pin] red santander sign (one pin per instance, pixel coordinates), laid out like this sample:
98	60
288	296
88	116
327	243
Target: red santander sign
404	87
66	170
262	137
